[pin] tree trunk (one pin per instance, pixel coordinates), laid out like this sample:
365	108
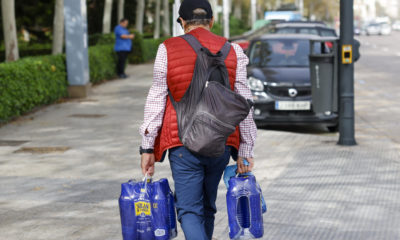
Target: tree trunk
237	9
10	30
253	13
107	16
139	15
166	20
214	6
225	9
58	27
157	20
121	5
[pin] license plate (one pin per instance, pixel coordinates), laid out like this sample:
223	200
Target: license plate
292	105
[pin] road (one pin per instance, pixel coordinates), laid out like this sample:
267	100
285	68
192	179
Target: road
61	167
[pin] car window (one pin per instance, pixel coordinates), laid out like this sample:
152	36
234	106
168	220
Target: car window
285	30
280	53
311	31
327	33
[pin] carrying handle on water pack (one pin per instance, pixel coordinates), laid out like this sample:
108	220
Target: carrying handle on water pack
146	178
246	163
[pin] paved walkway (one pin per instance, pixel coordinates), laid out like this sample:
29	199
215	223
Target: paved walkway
61	169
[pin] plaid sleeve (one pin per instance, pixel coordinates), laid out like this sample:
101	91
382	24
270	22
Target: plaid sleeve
248	129
156	99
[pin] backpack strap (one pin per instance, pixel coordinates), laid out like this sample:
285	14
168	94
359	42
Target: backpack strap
193	42
225	50
196	45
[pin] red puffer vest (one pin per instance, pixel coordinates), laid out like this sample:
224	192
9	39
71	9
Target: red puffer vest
181	62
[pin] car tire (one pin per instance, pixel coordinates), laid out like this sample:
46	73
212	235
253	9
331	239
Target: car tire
333	129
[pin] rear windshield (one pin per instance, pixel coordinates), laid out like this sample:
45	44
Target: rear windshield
328	33
280	53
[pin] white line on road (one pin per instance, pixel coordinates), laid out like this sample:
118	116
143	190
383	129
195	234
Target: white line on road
398	54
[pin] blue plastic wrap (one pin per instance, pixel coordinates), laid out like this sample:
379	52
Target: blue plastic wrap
244	208
230	171
147	210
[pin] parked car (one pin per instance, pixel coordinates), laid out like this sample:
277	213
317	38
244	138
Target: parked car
396	25
386	29
279	78
313	28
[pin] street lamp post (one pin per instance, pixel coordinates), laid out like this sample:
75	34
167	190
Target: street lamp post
346	73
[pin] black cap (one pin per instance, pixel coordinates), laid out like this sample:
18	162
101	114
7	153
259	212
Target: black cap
188	6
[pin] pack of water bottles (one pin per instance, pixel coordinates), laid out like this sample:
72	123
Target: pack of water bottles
245	205
147	210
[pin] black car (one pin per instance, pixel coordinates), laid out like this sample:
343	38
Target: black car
279	77
312	28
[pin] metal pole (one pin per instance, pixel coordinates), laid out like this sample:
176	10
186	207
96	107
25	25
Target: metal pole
346	75
225	9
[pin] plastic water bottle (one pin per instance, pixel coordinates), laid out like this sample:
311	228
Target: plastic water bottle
244	208
173	231
143	211
160	211
127	208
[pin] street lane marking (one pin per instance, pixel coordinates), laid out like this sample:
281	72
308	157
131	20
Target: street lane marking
398	54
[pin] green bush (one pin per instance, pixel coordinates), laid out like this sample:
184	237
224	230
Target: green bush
99	38
31	82
102	63
236	27
144	50
28	49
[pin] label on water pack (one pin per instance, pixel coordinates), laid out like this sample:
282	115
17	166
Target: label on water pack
159	232
142	208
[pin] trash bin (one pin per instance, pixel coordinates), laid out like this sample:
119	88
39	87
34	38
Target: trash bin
323	73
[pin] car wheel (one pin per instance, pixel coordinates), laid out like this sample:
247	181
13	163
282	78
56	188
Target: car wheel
333	129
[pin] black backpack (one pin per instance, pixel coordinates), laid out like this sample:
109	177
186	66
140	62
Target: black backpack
209	111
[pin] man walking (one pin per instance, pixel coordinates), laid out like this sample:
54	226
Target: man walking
123	45
196	177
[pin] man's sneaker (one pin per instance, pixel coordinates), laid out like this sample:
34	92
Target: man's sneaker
123	76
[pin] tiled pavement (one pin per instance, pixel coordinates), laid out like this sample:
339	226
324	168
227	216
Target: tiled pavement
314	188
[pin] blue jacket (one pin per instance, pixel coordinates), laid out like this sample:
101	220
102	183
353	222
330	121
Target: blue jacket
122	44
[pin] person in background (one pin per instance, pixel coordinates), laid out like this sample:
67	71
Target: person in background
123	45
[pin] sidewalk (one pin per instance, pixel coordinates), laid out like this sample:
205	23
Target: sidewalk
68	188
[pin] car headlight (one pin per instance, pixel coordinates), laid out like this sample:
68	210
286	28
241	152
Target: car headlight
255	84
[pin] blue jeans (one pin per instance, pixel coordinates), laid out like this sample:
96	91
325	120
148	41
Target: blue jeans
196	184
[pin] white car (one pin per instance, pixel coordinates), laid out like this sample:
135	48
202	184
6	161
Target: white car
396	25
386	29
373	29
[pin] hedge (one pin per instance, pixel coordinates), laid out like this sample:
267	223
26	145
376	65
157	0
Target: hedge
102	63
31	82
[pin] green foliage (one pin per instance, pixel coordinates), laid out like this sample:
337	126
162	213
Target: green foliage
102	63
150	47
98	38
143	49
136	55
31	82
236	27
28	49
